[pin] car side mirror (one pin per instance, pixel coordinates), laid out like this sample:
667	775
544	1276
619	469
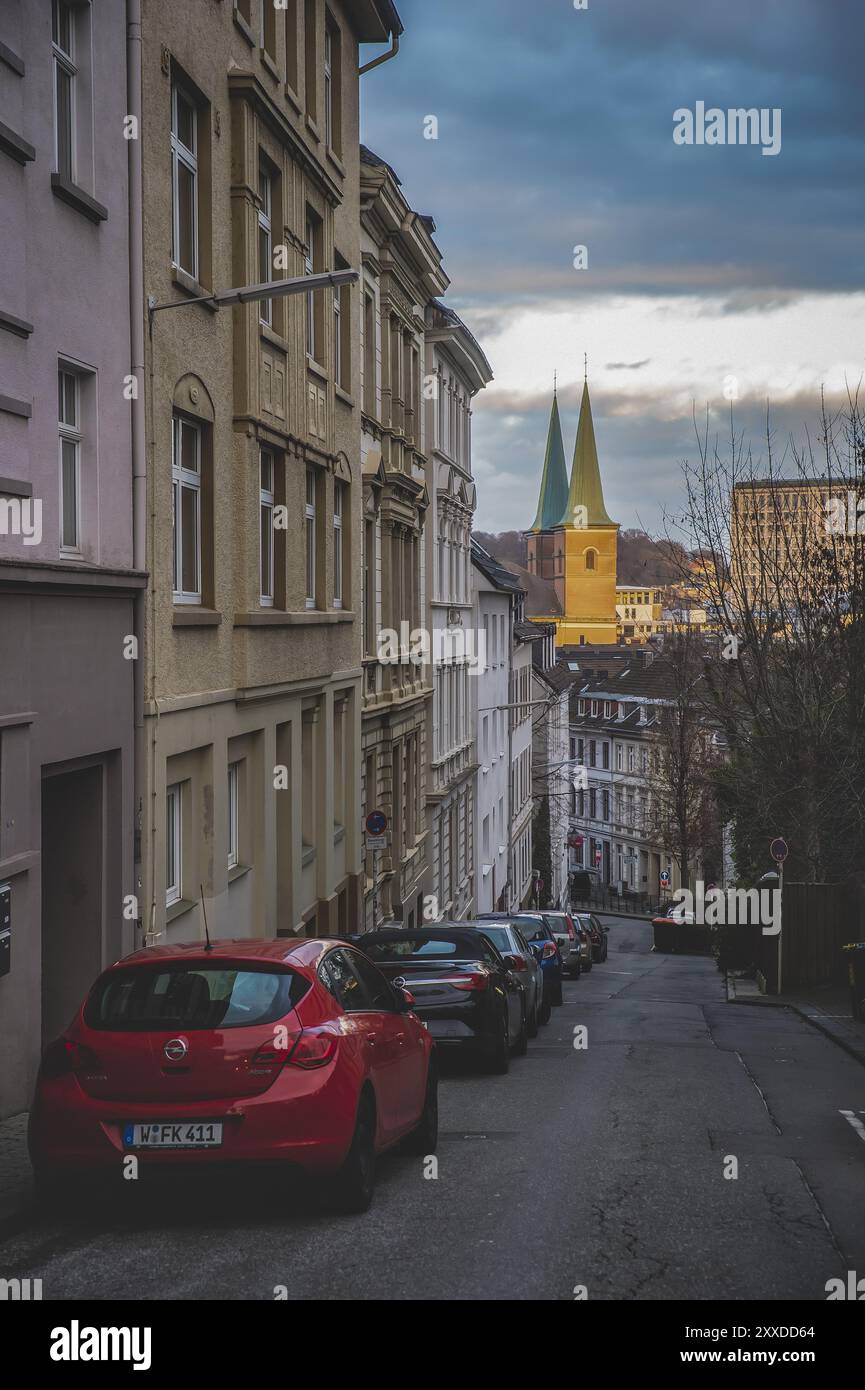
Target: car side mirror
606	929
514	962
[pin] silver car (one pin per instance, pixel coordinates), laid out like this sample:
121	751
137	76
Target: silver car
567	937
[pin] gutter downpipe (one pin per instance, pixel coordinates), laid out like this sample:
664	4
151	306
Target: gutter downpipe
139	457
382	57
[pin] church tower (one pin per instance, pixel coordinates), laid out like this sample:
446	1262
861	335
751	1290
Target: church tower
573	546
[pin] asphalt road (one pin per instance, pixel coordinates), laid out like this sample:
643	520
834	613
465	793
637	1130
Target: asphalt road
601	1167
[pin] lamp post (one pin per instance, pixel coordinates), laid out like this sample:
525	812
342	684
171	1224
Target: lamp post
268	289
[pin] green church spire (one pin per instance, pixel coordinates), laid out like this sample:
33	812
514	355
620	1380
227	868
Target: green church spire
554	480
585	489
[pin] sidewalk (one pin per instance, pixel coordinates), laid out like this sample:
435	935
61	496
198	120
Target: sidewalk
827	1007
16	1178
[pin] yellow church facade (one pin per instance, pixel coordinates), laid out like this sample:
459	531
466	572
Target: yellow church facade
572	544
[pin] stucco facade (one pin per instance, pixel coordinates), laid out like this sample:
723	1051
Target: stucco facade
251	746
67	585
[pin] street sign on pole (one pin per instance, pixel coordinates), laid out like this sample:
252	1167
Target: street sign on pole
665	878
779	850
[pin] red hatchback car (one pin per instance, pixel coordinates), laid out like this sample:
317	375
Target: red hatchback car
294	1053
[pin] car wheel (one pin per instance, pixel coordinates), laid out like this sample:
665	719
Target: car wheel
533	1022
521	1046
576	970
500	1058
424	1139
587	965
356	1179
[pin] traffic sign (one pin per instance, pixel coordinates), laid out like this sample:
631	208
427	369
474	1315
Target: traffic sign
778	850
665	878
376	823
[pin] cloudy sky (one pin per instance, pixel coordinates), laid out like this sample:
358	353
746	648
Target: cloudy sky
706	263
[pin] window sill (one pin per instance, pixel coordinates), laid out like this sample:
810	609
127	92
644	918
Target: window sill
335	160
307	855
79	200
313	128
338	833
293	98
12	324
308	617
175	910
316	368
269	62
244	28
188	283
343	395
239	871
16	146
11	59
270	335
193	616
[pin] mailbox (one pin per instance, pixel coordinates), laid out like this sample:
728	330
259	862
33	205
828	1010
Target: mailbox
5	928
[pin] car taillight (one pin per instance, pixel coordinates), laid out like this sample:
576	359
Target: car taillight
267	1060
478	979
64	1056
550	950
572	931
313	1049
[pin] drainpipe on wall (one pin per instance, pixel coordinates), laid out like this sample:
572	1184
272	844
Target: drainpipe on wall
139	459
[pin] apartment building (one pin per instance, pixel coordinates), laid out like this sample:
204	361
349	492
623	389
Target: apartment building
456	370
639	613
615	726
551	767
496	594
250	751
402	273
68	580
776	522
520	759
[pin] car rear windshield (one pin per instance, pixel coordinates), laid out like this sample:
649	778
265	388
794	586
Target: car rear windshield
420	947
145	998
532	929
499	936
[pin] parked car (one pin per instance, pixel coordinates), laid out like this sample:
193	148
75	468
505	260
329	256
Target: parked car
295	1054
468	994
675	912
568	942
597	935
510	941
542	941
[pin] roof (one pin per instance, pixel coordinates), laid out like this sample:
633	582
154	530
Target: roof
446	323
559	677
553	498
585	490
281	948
368	156
529	632
374	21
497	573
542	600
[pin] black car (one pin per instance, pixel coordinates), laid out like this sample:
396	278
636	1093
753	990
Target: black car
510	942
598	934
545	948
468	994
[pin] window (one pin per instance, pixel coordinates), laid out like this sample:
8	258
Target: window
184	181
309	514
590	559
369	354
369	586
332	85
186	490
341	328
312	264
268	27
173	844
65	73
69	413
338	542
310	66
291	17
265	239
266	501
328	87
233	818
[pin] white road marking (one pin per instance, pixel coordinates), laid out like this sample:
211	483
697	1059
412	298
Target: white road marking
854	1120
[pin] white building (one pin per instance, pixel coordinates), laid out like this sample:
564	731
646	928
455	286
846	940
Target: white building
553	776
496	593
456	369
520	755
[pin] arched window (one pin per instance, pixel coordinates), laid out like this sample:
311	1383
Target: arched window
590	559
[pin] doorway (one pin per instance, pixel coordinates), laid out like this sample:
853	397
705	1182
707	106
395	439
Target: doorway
73	892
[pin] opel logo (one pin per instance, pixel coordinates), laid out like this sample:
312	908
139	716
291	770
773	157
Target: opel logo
400	981
176	1049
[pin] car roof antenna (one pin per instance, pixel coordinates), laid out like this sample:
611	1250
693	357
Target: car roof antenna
209	946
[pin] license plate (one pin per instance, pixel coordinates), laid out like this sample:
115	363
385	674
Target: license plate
186	1134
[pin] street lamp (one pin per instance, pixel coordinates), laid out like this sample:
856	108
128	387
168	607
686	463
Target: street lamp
269	289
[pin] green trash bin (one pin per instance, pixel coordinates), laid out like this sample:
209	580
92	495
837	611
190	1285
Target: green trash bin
855	956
